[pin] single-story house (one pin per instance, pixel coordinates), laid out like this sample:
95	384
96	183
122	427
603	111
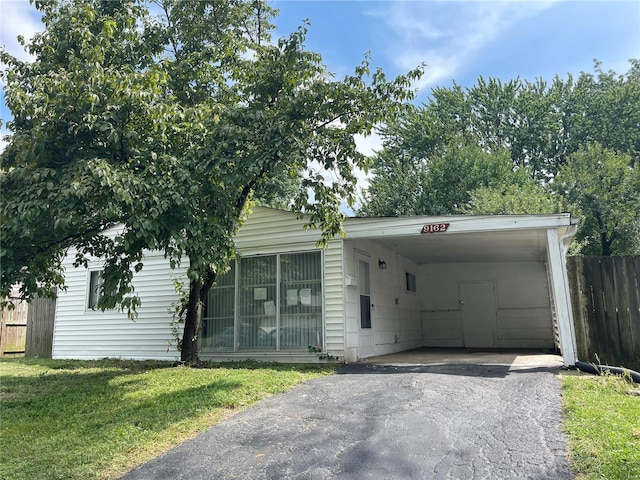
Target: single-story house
391	284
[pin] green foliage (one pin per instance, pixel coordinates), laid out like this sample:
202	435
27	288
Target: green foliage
444	185
323	355
99	419
428	165
529	198
168	125
401	191
604	188
452	177
608	110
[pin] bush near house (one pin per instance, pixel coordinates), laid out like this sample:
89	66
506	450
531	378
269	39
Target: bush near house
99	419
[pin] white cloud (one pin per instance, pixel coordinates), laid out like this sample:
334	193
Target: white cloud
448	35
18	17
368	146
3	143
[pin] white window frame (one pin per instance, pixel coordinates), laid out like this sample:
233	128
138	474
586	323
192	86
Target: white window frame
277	254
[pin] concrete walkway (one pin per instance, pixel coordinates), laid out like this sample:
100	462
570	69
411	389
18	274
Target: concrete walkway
389	421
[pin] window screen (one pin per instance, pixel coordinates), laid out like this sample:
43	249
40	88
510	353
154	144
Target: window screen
272	302
218	322
300	300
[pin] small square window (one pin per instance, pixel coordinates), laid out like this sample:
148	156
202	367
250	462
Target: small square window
410	282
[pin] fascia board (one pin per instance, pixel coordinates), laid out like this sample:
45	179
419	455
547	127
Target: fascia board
383	227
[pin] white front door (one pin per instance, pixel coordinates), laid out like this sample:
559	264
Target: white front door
364	307
479	314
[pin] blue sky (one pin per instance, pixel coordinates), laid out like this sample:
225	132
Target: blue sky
458	40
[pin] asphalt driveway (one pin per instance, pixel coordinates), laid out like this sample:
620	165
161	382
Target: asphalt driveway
388	422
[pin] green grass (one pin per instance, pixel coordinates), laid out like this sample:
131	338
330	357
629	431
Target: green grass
602	423
98	419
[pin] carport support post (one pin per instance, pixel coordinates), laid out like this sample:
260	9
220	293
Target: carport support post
559	288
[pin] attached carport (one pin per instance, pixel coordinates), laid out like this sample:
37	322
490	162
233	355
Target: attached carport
482	282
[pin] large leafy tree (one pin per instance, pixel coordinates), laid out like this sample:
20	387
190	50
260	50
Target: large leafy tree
526	197
167	121
541	126
441	185
603	187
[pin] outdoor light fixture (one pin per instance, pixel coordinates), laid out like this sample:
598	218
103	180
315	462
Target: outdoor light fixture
382	264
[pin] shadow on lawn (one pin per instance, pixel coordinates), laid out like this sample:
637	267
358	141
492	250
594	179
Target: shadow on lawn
62	394
111	391
135	366
84	408
73	418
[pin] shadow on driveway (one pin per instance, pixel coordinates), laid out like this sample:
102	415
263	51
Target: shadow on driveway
464	370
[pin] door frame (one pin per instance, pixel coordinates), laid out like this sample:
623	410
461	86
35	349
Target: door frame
366	336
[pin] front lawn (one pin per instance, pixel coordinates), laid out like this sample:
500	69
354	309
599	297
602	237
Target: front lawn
602	423
64	419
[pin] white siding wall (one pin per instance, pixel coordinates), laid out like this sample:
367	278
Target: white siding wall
87	334
351	312
272	231
524	312
395	316
334	299
269	231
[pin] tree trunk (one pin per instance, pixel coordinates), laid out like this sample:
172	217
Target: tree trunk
192	321
606	244
198	291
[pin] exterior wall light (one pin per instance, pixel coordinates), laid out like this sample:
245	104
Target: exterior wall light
382	264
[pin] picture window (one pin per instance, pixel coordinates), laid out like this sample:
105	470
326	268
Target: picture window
266	302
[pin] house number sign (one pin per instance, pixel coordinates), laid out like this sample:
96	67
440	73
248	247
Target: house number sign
435	228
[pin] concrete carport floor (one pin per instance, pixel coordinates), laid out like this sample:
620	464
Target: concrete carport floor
496	418
517	358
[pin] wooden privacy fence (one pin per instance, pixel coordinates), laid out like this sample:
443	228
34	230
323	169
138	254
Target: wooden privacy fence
13	329
605	296
27	329
40	321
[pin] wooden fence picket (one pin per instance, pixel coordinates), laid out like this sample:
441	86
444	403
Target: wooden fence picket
605	296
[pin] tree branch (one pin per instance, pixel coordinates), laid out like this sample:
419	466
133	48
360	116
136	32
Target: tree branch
324	124
63	240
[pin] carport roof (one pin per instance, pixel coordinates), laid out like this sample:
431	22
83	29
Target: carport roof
467	238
